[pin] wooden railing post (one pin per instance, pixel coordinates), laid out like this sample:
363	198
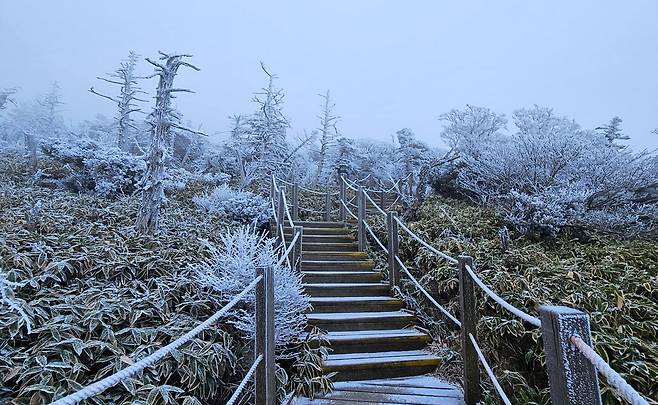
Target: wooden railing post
295	202
382	199
393	247
280	213
343	197
327	206
361	217
469	319
572	378
265	378
297	250
272	189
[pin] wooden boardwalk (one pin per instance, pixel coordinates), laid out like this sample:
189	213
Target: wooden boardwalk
420	390
378	353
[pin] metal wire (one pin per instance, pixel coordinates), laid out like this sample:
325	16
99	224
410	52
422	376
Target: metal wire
107	382
437	252
429	297
372	233
245	380
614	379
511	308
490	372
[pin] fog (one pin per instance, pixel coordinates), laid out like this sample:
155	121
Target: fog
389	65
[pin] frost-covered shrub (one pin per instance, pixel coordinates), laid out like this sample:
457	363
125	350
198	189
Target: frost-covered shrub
232	267
239	206
89	166
177	178
551	173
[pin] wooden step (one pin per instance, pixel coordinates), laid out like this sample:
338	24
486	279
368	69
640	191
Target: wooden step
315	277
336	265
324	239
359	321
377	340
334	256
320	224
355	304
320	231
390	364
330	247
346	289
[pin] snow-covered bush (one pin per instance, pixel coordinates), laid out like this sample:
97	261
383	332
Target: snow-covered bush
551	173
177	178
239	206
89	166
232	267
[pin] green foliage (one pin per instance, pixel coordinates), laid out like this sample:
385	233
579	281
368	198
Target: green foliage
615	281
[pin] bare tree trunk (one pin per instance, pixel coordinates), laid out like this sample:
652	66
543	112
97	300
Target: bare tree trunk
162	119
31	151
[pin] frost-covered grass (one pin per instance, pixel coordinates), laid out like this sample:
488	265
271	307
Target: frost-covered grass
234	205
613	280
97	296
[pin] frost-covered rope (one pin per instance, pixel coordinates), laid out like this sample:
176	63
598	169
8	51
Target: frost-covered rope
285	249
286	182
308	190
347	209
614	379
245	380
429	297
511	308
490	372
377	207
109	381
288	250
449	259
285	206
347	183
372	233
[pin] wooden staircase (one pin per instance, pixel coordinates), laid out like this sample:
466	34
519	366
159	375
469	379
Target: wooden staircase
372	336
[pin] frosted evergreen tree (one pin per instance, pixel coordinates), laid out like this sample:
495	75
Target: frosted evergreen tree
127	99
327	133
162	120
410	157
612	131
267	128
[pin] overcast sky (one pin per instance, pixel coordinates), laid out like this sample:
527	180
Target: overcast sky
389	64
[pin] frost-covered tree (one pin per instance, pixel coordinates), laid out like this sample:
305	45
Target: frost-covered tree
267	129
612	131
327	134
469	130
50	121
127	99
5	97
411	155
344	157
162	120
242	153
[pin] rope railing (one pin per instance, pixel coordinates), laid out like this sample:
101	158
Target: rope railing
286	253
245	380
377	207
376	239
613	378
509	307
348	210
489	371
428	295
431	248
130	371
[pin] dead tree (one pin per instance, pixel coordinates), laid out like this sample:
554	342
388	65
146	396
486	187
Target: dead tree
126	101
162	120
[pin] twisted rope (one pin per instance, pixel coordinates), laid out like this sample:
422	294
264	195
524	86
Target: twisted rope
511	308
429	297
375	204
285	206
372	233
490	372
614	379
245	380
347	209
284	257
449	259
107	382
